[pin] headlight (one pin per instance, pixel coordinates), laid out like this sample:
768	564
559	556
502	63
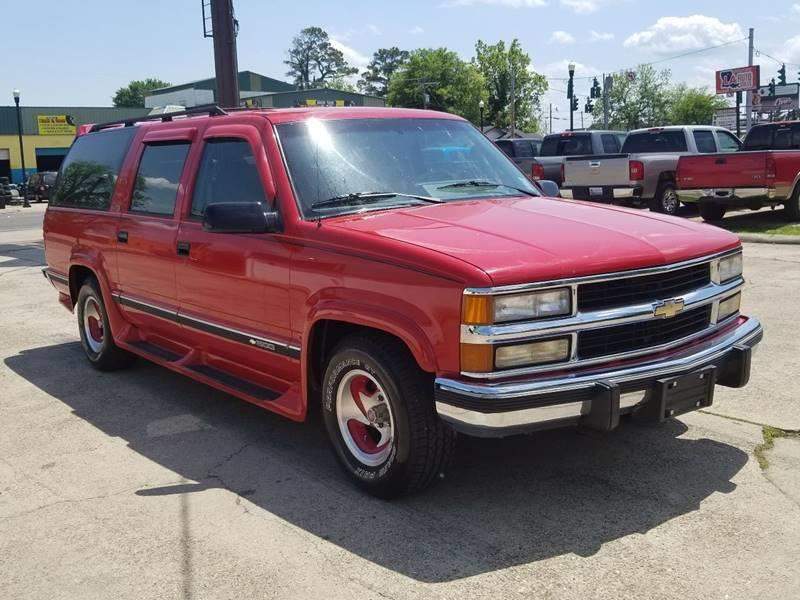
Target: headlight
534	353
729	306
485	310
729	268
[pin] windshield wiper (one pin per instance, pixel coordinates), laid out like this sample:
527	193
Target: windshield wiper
368	197
482	183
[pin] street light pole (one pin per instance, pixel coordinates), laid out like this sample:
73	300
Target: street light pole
571	94
19	133
481	104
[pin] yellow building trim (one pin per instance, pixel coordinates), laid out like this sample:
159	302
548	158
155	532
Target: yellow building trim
31	143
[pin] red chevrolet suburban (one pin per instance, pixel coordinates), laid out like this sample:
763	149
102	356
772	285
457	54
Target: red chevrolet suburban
764	172
393	268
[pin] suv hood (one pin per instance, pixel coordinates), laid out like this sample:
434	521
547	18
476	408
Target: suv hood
518	240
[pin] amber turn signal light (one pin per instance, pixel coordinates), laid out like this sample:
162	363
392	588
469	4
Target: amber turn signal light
477	310
477	358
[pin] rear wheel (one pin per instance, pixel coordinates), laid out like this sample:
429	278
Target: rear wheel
712	212
379	412
666	200
791	209
95	331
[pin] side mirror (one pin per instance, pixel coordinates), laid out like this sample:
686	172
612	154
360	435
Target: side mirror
549	188
240	217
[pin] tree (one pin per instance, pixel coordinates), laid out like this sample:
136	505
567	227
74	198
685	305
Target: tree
313	60
385	62
694	106
497	65
450	84
640	101
341	84
132	95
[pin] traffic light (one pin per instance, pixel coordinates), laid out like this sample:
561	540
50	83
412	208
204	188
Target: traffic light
772	87
589	106
595	92
782	75
574	103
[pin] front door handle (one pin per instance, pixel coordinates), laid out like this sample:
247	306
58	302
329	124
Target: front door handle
122	237
184	248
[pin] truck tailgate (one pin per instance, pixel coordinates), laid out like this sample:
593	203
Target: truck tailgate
599	170
727	170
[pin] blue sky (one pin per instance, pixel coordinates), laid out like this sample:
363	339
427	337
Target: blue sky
72	52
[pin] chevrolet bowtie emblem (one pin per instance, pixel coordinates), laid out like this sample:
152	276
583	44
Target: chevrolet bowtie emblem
668	308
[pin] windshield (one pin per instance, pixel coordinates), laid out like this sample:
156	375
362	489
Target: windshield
567	144
352	165
655	141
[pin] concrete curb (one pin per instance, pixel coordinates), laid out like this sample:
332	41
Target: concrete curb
765	238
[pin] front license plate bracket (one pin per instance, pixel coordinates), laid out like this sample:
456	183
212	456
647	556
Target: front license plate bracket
674	396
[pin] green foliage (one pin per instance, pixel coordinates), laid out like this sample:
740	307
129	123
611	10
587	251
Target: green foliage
385	63
132	95
641	102
497	64
693	106
452	84
341	84
313	61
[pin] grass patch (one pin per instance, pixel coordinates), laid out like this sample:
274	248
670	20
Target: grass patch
770	434
771	222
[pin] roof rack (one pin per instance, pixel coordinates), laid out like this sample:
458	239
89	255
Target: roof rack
211	110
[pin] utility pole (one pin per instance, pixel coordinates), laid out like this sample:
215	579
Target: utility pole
582	120
606	89
551	118
748	102
226	64
571	94
513	101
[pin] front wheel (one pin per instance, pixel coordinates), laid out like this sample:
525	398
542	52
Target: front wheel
712	212
666	200
95	331
379	412
791	209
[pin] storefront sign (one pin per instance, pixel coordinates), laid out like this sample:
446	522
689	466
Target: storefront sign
55	124
743	79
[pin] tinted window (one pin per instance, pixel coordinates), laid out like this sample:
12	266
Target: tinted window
536	146
611	144
759	138
227	173
522	149
89	171
506	147
157	180
567	145
331	160
782	139
727	142
705	142
655	141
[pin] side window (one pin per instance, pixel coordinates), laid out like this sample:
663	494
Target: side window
227	173
727	142
783	139
156	186
506	147
796	137
89	171
611	143
705	141
522	149
759	138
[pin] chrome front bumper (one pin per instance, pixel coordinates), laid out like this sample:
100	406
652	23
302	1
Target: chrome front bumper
508	408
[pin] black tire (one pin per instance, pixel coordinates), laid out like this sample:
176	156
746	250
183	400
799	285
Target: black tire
791	209
712	212
666	200
421	445
104	355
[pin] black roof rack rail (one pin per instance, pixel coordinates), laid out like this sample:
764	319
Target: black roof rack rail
211	110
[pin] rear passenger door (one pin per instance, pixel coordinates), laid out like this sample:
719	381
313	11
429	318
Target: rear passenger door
147	231
704	140
233	288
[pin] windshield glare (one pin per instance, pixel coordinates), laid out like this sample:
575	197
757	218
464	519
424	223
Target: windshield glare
416	157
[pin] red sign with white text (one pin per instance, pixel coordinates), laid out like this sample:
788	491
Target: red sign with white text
742	79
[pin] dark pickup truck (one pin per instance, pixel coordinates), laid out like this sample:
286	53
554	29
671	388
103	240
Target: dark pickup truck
556	147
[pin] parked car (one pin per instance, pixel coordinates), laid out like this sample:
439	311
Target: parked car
5	192
521	150
393	269
765	173
557	147
39	185
644	171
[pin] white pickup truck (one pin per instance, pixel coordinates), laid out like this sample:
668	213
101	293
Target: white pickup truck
644	171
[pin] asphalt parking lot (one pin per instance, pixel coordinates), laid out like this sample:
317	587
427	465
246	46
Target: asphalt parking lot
144	484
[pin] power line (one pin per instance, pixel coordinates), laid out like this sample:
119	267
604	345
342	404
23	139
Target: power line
760	52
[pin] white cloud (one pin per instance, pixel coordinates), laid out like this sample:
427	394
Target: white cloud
600	36
675	34
560	70
507	3
373	29
582	7
561	37
791	50
796	8
351	55
416	30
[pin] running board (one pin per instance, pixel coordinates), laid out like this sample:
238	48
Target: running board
157	351
235	383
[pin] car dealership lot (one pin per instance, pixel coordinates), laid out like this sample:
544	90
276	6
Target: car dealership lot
144	484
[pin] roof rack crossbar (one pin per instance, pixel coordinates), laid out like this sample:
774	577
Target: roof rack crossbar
211	110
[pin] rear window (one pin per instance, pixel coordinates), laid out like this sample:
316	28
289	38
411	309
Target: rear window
523	149
773	137
705	142
611	143
89	171
567	145
655	141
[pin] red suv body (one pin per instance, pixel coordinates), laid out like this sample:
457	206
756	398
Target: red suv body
393	266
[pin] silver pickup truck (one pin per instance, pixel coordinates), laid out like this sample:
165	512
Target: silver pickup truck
557	146
644	170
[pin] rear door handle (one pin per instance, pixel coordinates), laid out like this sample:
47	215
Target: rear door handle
122	237
184	248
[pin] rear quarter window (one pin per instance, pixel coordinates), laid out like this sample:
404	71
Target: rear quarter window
89	171
567	145
655	141
759	138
